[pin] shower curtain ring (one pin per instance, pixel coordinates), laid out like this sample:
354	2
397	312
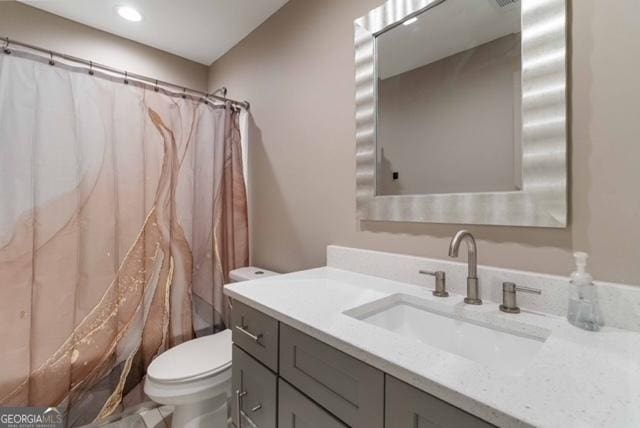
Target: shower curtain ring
126	80
51	61
91	68
184	93
155	88
6	47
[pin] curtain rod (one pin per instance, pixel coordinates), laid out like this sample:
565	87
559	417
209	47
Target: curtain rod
124	73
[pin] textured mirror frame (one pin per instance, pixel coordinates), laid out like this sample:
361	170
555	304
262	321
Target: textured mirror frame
542	202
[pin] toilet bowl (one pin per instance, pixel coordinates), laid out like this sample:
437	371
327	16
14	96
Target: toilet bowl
195	376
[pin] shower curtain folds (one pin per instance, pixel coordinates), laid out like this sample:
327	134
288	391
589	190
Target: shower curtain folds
120	207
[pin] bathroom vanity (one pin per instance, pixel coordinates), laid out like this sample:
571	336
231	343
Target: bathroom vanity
283	377
331	347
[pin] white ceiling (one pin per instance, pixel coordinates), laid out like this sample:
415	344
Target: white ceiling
451	27
199	30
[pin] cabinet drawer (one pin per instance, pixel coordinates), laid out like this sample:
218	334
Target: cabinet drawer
297	411
254	392
348	388
256	333
408	407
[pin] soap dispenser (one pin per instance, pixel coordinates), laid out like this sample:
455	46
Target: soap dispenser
583	300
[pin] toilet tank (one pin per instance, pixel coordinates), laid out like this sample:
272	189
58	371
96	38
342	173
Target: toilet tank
248	273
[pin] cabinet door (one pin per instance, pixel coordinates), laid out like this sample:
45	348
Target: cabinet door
345	386
297	411
408	407
254	392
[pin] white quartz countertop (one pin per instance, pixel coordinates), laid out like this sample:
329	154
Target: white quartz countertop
577	379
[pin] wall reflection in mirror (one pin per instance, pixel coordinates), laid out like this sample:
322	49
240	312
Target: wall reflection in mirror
449	100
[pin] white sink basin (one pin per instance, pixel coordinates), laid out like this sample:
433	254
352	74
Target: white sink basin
502	348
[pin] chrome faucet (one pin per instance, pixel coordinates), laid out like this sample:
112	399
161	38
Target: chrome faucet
473	297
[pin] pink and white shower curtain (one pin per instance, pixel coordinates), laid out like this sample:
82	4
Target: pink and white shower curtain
118	205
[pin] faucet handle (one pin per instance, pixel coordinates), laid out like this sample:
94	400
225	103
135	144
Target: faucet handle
435	273
509	296
528	290
441	278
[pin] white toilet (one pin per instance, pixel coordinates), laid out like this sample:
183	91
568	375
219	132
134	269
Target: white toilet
195	376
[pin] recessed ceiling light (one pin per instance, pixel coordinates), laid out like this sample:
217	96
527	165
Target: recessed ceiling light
410	21
129	13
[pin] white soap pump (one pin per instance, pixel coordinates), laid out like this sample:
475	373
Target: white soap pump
583	300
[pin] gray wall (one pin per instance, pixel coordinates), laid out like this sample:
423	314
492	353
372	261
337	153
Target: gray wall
450	126
36	27
297	71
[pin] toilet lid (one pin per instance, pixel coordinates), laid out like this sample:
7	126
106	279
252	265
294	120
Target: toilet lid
193	359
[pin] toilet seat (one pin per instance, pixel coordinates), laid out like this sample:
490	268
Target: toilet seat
193	360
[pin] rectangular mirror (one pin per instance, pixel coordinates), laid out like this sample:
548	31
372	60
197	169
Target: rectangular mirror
461	112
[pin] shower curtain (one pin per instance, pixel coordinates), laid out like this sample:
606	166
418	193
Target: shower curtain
119	205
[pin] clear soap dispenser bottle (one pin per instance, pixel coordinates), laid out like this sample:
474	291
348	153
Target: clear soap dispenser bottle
583	300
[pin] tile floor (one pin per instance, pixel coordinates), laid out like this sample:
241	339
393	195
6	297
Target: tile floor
159	417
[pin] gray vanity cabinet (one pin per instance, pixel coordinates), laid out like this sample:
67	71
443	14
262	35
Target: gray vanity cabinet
284	378
408	407
297	411
254	388
256	333
347	387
